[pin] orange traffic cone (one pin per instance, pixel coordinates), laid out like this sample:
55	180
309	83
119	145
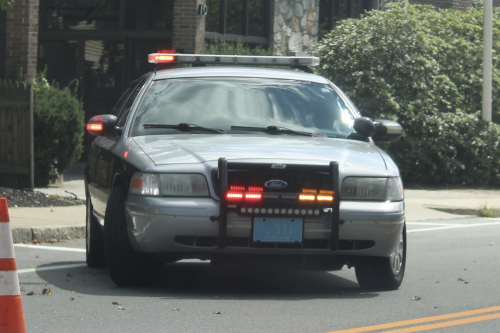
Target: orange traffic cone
11	306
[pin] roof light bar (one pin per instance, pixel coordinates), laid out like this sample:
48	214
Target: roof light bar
159	58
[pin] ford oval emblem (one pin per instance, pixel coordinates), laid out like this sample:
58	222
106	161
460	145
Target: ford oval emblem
276	184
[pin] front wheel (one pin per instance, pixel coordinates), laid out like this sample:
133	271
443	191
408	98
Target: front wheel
383	273
126	266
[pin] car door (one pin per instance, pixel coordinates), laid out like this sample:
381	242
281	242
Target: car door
102	162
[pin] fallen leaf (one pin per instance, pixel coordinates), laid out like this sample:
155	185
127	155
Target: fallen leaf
21	288
490	244
121	308
30	293
218	312
85	280
466	282
46	291
176	309
71	298
67	280
71	292
69	275
460	279
416	298
36	241
465	269
437	281
116	303
435	307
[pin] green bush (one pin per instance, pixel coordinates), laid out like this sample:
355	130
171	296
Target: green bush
59	127
422	67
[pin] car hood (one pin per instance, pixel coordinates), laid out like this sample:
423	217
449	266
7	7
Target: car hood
201	148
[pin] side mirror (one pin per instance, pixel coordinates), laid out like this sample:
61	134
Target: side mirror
364	126
387	131
102	124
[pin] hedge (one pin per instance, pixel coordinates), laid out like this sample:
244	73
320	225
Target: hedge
422	66
59	128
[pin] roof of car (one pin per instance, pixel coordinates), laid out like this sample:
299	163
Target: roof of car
227	71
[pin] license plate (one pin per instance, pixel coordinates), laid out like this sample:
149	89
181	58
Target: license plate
277	229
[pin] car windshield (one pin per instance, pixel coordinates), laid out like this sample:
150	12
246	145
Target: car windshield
229	104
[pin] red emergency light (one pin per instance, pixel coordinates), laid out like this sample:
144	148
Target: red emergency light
96	127
162	57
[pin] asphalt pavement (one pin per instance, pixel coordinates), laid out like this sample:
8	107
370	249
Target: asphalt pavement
58	223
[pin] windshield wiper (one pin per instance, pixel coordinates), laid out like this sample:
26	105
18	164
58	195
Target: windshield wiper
271	130
185	127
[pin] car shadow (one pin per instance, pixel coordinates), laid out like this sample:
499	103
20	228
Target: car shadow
200	280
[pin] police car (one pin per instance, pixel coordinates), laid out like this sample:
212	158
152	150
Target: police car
248	163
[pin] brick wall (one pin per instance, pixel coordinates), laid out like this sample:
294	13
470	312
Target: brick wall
188	33
452	4
22	38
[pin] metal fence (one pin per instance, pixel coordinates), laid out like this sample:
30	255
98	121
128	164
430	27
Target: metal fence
16	135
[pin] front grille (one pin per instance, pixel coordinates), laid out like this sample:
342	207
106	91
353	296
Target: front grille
264	189
243	242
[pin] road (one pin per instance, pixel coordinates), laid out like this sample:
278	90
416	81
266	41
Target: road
452	270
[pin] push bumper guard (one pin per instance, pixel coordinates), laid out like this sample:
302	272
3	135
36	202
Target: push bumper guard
225	167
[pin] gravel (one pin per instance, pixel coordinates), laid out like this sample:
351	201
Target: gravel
27	198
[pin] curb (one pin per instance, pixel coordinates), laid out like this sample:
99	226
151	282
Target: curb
20	235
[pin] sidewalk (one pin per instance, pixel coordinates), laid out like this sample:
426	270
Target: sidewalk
58	223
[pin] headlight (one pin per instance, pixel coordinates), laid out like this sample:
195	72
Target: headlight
174	185
183	185
373	189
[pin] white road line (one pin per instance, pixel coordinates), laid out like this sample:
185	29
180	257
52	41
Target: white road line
426	223
56	248
48	268
458	226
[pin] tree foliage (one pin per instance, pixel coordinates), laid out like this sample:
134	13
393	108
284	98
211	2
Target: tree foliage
422	66
59	128
5	3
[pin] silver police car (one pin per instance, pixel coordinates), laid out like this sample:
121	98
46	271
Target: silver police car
242	164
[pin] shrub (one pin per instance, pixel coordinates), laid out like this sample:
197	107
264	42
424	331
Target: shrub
422	66
59	127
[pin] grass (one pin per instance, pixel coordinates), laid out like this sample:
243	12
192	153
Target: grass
488	212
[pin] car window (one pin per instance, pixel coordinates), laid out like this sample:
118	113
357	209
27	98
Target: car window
118	107
122	118
224	102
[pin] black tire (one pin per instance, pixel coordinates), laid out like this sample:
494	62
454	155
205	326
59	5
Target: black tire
126	266
94	239
377	273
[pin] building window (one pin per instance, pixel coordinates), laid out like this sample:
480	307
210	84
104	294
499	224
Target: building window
81	14
149	15
107	15
332	11
237	17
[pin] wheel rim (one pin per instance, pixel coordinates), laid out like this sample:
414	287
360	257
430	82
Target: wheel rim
397	256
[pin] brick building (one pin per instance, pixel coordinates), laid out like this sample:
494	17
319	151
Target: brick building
104	44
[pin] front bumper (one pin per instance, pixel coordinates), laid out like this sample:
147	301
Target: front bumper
184	227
